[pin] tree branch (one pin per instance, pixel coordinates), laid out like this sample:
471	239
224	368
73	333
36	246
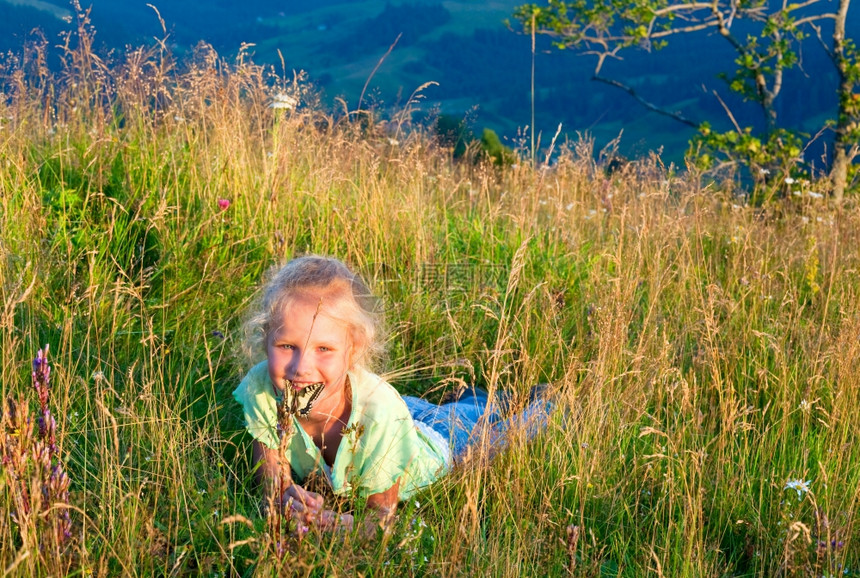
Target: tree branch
816	18
686	29
683	8
650	106
728	112
801	5
823	43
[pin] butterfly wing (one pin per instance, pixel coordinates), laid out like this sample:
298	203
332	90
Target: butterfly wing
306	397
300	402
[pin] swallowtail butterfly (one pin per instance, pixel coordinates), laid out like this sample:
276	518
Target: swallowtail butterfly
299	402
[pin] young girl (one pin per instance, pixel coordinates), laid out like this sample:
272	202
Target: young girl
312	407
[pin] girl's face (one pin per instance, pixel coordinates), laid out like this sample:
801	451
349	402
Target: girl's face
306	346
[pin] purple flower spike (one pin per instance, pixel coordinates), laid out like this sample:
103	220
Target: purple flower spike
33	464
42	377
48	429
41	359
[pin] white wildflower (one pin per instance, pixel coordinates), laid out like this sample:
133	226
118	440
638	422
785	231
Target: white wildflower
797	193
804	405
815	195
789	181
284	101
569	206
798	486
763	172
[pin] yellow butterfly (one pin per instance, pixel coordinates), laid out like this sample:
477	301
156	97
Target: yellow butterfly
299	402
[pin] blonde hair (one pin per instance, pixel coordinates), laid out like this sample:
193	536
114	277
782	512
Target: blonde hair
344	297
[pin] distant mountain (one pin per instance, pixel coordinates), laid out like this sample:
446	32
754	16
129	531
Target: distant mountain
481	67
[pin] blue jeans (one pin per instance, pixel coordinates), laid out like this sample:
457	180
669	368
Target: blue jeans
454	421
458	421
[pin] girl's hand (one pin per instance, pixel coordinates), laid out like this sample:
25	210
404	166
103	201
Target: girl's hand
381	508
330	521
376	520
307	505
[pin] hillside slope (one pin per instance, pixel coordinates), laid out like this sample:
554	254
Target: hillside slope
479	68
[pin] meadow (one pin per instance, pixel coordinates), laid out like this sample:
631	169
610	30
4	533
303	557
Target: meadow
703	354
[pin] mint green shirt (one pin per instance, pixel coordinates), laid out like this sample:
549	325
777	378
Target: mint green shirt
380	443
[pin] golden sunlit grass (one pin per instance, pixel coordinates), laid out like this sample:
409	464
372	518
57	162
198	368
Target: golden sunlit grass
703	355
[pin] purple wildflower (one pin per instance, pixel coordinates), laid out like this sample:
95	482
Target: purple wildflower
42	377
223	204
833	545
48	430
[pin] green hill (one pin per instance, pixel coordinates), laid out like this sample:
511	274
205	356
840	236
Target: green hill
480	69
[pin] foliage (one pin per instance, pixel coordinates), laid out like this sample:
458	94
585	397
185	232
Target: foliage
771	162
453	133
766	40
493	148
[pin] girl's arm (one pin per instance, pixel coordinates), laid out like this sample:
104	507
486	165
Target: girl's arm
383	505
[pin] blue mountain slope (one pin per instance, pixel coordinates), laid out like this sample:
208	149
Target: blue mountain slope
479	65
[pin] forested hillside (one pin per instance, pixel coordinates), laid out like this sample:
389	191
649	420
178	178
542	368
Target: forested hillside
481	66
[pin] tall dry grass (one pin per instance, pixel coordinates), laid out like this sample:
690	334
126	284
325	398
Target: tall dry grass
703	355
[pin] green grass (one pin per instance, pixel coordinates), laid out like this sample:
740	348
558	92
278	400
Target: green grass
702	353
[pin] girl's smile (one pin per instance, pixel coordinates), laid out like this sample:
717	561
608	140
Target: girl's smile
307	346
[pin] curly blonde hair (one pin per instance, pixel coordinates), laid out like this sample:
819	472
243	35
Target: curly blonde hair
345	297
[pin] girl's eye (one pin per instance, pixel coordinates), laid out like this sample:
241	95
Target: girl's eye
324	349
286	346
